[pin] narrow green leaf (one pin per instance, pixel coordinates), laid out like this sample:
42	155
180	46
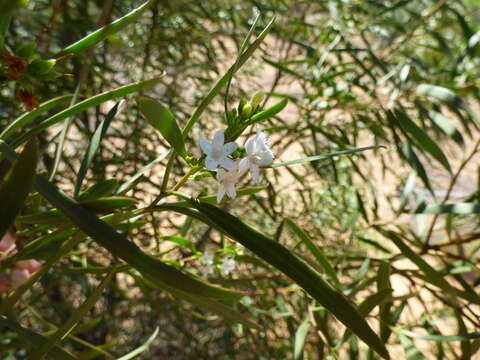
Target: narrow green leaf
458	208
447	126
121	247
104	188
74	319
179	240
326	156
283	68
16	185
367	305
163	120
32	115
459	337
305	276
438	92
125	187
108	204
424	141
407	190
411	351
88	103
93	146
107	30
432	275
300	336
417	165
316	252
141	348
384	284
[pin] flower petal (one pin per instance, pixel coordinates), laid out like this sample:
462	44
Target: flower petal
228	164
205	146
230	188
255	170
211	163
243	165
220	193
218	139
250	146
265	158
230	148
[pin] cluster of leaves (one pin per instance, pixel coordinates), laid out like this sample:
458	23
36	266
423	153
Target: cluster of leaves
384	241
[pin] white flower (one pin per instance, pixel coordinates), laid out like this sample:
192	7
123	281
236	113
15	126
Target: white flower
258	154
227	181
207	260
228	265
217	152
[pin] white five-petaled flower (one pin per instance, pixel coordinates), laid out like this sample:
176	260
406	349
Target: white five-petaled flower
227	181
217	152
228	265
258	154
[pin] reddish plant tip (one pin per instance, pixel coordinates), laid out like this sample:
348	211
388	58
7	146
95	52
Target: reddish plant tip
28	99
16	65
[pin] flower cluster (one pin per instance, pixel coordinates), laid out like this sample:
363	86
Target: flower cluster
229	171
227	266
20	271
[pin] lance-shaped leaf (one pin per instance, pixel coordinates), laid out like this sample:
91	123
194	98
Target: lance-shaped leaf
32	115
300	336
16	185
121	247
163	120
424	141
94	144
88	103
459	337
295	268
325	156
457	208
134	353
106	30
317	252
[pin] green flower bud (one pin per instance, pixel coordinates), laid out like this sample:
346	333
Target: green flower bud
41	67
247	110
257	98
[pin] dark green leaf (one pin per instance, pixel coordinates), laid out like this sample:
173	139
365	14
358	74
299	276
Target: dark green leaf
106	30
162	119
16	185
93	146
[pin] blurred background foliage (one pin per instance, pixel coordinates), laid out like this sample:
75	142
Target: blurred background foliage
403	74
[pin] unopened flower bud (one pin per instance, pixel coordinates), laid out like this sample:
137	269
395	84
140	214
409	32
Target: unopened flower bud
18	277
247	110
31	265
257	98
